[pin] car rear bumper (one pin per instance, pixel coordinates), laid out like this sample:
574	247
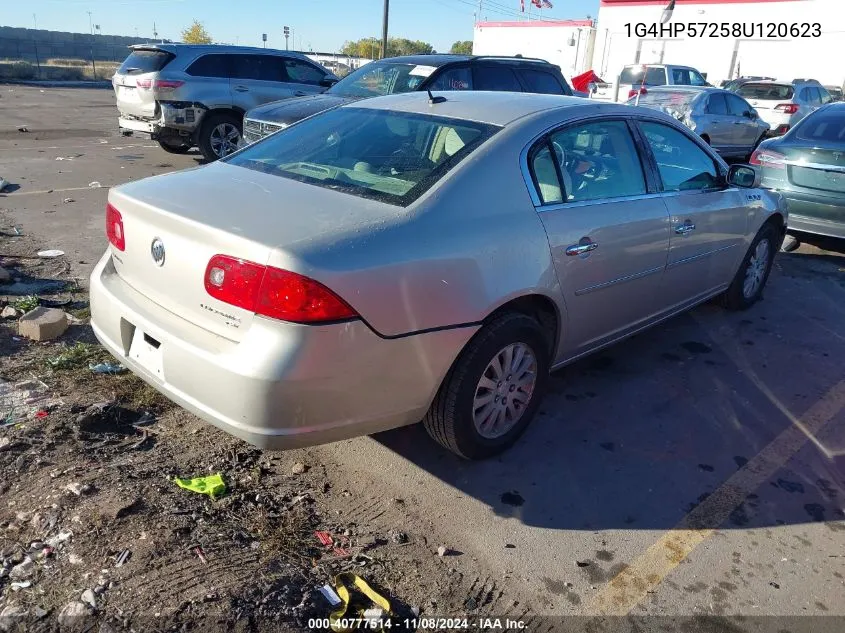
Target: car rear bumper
822	216
283	385
177	118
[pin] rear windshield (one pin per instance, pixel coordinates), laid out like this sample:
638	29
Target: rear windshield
822	126
634	75
392	157
766	92
145	61
665	99
376	79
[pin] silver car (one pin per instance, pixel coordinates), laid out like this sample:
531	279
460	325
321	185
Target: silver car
184	95
783	104
408	258
722	119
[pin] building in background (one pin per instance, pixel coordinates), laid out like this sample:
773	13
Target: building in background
566	43
786	55
613	41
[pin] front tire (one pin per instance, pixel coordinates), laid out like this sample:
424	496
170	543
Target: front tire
747	286
493	390
174	146
219	136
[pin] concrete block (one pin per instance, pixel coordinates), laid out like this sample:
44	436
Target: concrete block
43	324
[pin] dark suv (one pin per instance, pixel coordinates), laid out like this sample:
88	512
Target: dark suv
407	74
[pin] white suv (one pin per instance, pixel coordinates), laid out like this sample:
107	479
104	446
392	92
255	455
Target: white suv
782	104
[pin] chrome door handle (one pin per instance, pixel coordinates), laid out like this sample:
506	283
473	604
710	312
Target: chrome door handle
580	249
241	89
685	228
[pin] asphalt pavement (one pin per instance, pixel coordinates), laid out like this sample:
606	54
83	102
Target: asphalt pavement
696	469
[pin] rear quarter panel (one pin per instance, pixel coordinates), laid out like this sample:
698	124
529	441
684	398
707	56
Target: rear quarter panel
471	244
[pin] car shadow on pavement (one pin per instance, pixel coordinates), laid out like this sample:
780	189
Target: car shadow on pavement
637	436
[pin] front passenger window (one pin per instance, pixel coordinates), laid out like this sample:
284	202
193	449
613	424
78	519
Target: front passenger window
682	164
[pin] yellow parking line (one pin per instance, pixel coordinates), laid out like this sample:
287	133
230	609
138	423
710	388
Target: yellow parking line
648	570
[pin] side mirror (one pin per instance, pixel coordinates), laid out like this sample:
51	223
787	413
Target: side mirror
328	82
592	87
750	114
744	176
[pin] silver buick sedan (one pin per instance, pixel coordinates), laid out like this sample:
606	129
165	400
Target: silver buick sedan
421	258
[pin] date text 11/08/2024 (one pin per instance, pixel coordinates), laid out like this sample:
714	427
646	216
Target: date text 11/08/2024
413	624
762	30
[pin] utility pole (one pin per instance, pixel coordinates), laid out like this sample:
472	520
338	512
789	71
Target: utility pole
287	34
384	29
34	22
90	22
155	33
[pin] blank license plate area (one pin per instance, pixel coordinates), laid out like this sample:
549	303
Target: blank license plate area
127	93
146	351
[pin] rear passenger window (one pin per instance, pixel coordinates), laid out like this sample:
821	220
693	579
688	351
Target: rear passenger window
596	160
210	66
541	82
260	67
716	104
499	78
300	72
737	106
682	164
453	79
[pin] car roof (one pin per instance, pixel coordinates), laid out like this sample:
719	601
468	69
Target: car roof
177	48
443	59
496	108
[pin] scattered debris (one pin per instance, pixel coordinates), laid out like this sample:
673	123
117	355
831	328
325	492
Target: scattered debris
400	538
73	559
50	253
579	563
212	485
95	185
68	200
3	184
90	598
75	356
299	468
79	489
442	551
123	558
347	581
107	368
17	586
200	554
9	312
23	128
330	594
41	414
775	585
22	570
43	324
21	400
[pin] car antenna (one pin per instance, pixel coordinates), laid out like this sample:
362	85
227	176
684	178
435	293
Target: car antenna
432	99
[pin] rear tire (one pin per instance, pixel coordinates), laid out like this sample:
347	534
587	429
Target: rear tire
749	281
219	135
175	146
493	390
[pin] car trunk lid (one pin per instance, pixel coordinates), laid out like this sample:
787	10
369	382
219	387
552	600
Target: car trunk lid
222	210
820	168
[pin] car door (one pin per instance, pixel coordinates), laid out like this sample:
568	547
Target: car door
718	128
540	82
210	76
708	218
745	129
258	79
609	235
496	77
303	77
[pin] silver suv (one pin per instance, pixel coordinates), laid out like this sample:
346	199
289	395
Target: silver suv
185	96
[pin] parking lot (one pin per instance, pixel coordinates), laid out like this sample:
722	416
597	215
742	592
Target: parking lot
697	469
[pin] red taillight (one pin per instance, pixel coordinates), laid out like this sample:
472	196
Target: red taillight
272	292
768	158
633	93
788	108
162	85
114	228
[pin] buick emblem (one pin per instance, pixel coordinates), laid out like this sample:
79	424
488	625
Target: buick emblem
157	251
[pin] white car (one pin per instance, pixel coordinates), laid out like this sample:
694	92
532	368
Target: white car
782	104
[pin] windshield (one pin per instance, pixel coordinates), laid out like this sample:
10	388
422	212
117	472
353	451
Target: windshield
145	61
634	75
377	79
824	126
770	92
389	156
